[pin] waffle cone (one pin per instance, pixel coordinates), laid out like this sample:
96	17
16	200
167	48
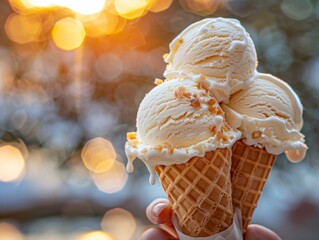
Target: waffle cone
249	172
200	192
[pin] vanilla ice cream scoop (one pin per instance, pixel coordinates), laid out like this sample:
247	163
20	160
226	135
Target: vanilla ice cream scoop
269	114
218	48
177	120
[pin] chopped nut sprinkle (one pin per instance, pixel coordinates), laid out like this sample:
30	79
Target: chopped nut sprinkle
219	136
195	102
212	109
158	148
198	85
133	143
213	129
131	135
219	111
224	138
179	92
187	94
211	101
225	128
202	77
158	81
171	150
256	134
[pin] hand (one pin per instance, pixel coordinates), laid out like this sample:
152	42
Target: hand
159	212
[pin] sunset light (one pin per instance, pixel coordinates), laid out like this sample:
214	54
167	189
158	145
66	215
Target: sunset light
29	28
95	235
130	9
68	33
79	6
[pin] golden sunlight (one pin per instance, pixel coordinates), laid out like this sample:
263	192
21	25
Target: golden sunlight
131	9
95	235
12	163
80	6
159	5
29	28
68	33
84	6
104	24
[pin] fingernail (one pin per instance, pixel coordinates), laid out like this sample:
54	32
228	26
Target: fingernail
158	208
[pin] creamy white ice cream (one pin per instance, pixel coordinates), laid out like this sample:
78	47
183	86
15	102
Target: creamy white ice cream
177	120
218	48
269	114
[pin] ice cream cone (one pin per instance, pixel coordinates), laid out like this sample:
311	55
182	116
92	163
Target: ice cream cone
249	172
200	192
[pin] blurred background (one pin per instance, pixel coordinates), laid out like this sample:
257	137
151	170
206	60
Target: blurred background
72	74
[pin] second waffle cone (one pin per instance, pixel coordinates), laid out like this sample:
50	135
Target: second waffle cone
200	192
250	169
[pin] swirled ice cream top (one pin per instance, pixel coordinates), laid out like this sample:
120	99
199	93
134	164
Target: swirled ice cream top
218	48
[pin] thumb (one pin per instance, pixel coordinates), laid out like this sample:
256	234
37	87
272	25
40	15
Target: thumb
257	232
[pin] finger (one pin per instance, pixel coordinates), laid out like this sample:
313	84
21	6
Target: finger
257	232
169	227
156	234
159	211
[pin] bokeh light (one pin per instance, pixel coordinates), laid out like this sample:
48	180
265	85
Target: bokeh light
84	6
109	67
296	9
103	24
201	7
159	5
130	9
95	235
111	180
12	163
120	223
68	33
29	28
98	155
79	6
9	232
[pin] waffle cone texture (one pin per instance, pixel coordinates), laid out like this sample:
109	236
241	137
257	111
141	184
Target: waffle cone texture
250	169
200	192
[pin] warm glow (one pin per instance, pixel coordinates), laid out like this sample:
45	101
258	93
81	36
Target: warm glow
9	232
104	24
12	163
68	33
112	180
130	9
96	235
115	220
98	155
22	29
39	3
159	5
84	6
201	7
79	6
